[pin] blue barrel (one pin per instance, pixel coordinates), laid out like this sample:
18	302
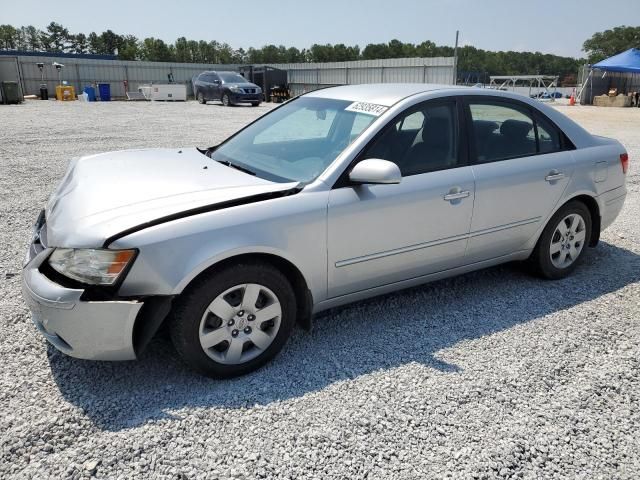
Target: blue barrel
91	93
105	92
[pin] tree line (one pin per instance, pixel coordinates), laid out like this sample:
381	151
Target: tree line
471	61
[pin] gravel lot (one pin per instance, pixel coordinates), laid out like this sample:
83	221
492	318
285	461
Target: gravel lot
489	375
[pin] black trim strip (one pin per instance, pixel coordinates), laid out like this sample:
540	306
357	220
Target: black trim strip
204	209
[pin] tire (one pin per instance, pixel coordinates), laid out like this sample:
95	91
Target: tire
194	324
201	99
226	100
255	104
556	256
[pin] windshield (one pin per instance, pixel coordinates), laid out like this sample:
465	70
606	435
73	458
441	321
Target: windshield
230	77
297	141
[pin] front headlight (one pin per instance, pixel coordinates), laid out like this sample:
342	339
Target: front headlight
89	265
236	90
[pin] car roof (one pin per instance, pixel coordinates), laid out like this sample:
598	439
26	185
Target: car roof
385	94
388	94
219	71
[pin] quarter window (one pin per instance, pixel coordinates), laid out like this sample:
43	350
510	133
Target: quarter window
423	140
501	132
549	138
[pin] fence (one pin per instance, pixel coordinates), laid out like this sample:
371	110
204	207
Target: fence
80	71
304	77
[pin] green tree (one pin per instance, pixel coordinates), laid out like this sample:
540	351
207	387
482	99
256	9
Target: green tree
156	50
375	51
79	43
110	42
322	53
33	38
8	38
95	43
57	38
183	53
611	42
129	48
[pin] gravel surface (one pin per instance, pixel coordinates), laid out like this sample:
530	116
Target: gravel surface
489	375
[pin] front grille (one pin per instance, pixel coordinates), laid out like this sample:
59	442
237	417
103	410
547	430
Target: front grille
249	90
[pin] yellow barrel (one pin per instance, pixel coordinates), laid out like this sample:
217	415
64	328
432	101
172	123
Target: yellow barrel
65	92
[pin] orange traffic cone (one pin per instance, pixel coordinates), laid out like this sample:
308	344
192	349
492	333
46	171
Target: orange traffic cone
572	99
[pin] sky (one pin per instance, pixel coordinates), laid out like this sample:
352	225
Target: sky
548	26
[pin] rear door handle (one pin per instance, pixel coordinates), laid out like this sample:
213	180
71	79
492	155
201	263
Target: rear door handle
457	195
554	176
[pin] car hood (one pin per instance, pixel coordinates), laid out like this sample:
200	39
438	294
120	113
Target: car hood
103	195
242	85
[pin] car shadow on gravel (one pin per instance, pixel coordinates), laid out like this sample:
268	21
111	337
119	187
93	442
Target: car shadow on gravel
382	333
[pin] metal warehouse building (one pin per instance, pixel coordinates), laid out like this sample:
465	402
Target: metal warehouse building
308	76
83	70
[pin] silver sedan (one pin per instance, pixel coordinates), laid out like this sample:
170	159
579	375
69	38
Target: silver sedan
335	196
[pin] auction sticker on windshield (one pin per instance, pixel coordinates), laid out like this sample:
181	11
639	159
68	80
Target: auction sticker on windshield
368	108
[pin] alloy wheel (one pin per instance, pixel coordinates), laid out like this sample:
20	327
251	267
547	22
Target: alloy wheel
240	323
567	241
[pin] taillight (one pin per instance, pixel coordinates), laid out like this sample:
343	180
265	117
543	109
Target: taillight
624	161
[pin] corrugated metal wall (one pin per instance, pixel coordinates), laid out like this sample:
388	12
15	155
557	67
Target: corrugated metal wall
304	77
81	72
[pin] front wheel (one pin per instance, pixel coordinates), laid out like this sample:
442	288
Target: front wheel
234	321
255	104
562	243
200	98
226	100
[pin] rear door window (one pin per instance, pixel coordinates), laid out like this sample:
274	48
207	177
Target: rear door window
501	131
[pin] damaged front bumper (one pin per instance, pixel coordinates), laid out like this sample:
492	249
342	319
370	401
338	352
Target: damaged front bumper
93	330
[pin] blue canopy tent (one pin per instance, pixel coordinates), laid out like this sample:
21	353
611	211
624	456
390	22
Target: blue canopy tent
625	62
621	71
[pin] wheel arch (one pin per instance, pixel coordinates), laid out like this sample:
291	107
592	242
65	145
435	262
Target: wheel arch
302	292
594	209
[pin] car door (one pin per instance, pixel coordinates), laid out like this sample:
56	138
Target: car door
214	87
382	234
521	165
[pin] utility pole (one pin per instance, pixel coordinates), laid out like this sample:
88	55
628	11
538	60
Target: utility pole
455	59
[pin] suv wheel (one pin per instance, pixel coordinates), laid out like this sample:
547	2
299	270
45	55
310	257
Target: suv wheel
226	100
234	321
562	243
200	98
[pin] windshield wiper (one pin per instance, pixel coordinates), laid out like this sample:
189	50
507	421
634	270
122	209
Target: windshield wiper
237	167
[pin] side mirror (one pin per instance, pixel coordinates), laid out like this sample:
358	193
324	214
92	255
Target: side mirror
375	171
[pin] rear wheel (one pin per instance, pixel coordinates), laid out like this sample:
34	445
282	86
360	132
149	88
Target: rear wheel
562	243
235	320
200	98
